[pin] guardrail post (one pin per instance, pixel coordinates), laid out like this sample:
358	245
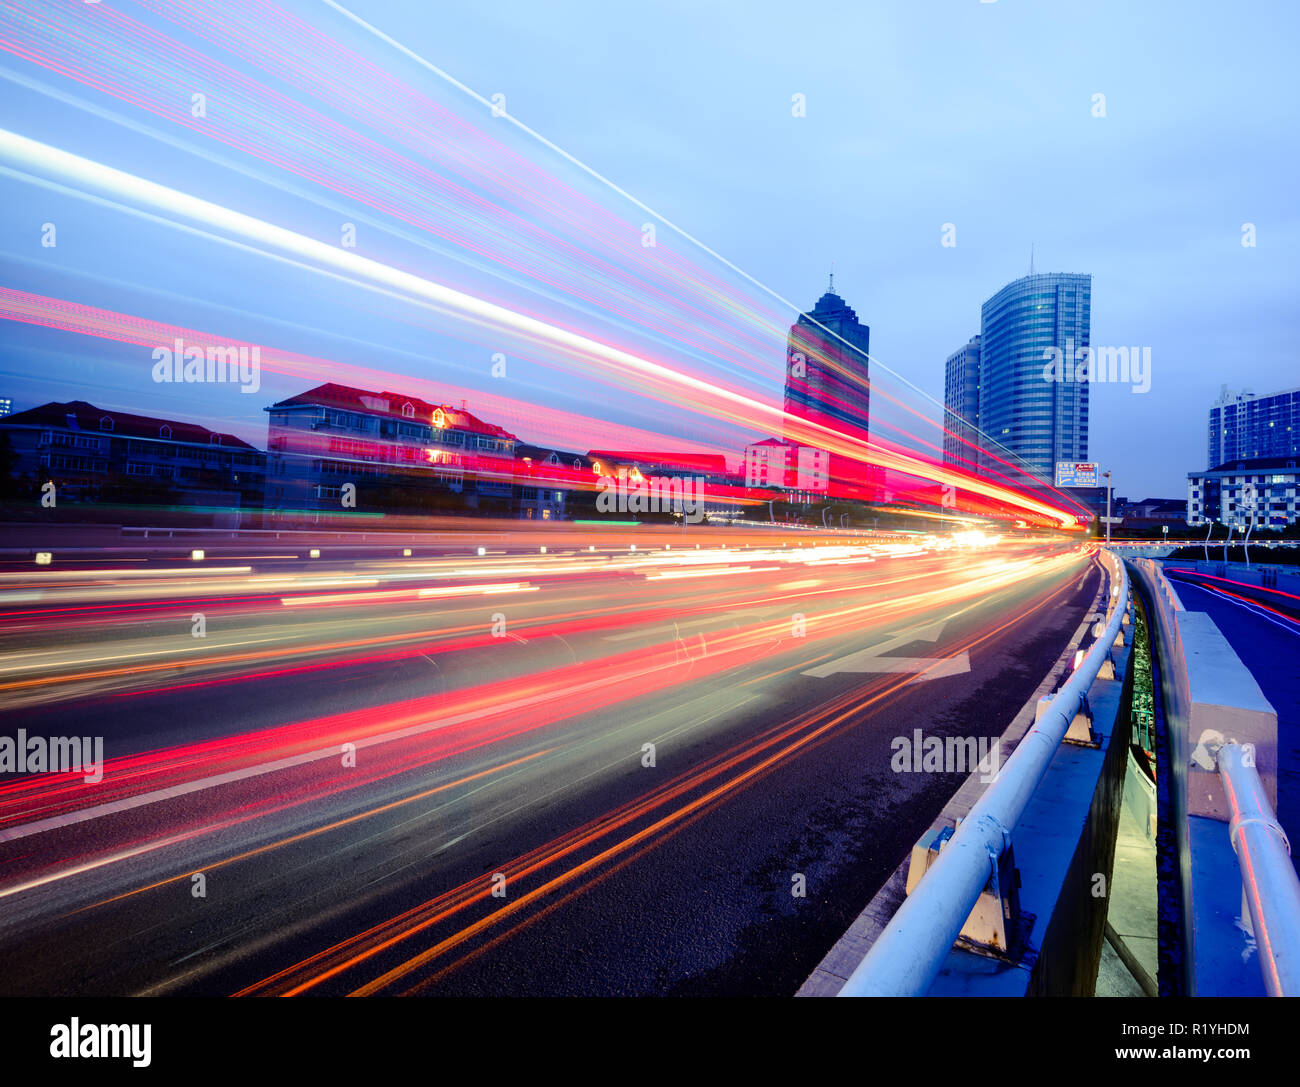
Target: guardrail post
994	923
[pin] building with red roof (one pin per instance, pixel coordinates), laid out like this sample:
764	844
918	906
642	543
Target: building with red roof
394	449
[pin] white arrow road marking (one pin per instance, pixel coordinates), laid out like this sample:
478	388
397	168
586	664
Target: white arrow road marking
871	660
927	668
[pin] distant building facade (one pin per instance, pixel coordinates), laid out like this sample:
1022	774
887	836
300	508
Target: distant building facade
99	454
1260	487
401	449
704	474
1151	512
1092	499
1244	426
802	471
1037	420
961	401
552	484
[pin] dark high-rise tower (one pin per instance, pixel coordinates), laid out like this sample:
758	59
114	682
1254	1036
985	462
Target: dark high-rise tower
826	378
826	383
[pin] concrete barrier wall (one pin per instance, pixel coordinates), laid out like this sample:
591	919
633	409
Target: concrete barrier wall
1223	705
1175	898
1140	795
1214	696
1209	697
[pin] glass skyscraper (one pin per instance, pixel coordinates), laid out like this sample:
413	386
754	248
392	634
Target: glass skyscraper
961	398
1037	418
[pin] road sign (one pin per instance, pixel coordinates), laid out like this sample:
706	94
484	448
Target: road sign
1070	473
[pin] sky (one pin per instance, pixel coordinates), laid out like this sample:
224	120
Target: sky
911	117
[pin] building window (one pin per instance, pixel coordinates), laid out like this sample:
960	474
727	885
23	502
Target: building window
106	423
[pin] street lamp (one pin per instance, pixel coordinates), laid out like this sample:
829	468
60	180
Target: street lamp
1107	477
1250	493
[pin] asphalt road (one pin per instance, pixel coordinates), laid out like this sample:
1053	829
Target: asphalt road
373	775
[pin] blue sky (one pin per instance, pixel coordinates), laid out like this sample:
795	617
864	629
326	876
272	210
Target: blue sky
917	114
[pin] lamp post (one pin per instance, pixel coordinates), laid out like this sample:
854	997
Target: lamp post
1107	477
1253	498
1207	540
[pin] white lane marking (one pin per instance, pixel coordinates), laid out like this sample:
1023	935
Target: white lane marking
97	811
927	668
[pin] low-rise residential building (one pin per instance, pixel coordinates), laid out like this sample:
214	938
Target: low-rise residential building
1262	489
95	454
552	484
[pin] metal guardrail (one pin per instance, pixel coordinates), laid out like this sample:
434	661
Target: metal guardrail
1268	880
909	953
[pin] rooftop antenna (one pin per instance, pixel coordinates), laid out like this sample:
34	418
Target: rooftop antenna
832	277
1031	258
